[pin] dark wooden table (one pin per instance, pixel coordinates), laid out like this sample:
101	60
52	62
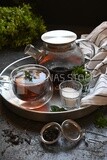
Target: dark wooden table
20	137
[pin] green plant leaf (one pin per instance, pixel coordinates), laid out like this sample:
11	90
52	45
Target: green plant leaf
100	120
55	108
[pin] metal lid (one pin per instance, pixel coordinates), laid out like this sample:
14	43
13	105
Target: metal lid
59	37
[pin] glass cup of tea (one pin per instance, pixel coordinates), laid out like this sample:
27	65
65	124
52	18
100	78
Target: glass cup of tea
70	94
32	83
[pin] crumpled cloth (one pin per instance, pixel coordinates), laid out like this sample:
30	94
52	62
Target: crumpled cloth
95	53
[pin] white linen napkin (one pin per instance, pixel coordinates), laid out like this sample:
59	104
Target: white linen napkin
96	55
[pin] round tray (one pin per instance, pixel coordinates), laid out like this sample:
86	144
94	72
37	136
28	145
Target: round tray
43	113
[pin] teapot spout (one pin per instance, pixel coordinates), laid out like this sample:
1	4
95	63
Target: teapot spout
33	52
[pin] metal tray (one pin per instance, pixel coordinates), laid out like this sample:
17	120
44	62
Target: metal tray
41	114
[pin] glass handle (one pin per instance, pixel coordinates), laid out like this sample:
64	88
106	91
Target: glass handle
4	80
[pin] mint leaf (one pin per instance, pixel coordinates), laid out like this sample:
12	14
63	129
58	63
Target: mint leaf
28	75
56	108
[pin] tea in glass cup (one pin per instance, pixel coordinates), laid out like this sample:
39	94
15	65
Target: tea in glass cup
32	83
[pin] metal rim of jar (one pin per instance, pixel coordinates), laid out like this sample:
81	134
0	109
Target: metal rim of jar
76	126
58	47
48	125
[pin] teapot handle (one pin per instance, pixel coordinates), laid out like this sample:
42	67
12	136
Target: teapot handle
34	52
86	42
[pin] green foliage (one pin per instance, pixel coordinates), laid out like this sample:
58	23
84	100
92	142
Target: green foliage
79	73
56	108
79	70
19	26
100	120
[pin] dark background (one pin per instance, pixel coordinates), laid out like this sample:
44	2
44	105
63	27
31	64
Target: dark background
81	16
87	13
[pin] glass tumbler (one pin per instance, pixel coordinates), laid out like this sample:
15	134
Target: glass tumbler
70	94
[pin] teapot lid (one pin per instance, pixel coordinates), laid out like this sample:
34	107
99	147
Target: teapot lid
59	37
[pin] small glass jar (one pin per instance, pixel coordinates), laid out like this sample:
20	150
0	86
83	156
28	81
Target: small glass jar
50	133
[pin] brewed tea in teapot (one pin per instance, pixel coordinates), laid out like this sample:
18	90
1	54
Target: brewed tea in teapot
59	54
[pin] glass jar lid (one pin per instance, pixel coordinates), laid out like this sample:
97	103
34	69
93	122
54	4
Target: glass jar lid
59	37
71	130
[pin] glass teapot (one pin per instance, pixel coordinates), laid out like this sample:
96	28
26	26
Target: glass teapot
59	53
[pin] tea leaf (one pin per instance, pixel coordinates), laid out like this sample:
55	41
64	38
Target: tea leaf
81	74
56	108
78	70
28	75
